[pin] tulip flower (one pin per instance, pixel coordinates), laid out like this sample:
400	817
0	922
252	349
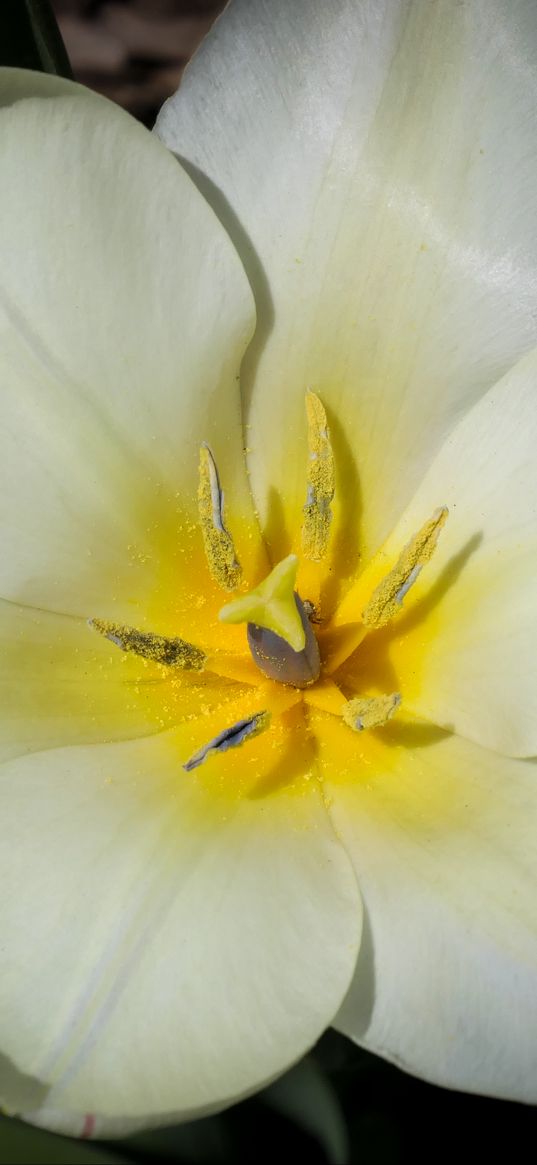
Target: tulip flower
268	584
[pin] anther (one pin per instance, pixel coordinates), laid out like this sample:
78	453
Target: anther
320	482
231	737
222	561
158	648
387	598
370	711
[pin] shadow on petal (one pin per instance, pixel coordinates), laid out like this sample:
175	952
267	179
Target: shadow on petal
296	759
18	1091
409	734
252	265
345	542
360	998
275	531
446	580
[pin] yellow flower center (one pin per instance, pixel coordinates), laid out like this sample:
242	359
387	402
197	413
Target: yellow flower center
296	670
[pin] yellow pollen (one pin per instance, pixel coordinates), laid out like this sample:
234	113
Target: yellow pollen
320	483
387	598
157	648
277	699
325	696
222	561
271	605
370	711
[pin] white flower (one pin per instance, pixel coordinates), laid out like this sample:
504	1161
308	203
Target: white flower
171	938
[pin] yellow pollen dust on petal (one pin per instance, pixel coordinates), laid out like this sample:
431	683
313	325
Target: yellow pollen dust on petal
325	696
222	561
171	652
387	598
271	605
320	482
370	711
240	668
278	699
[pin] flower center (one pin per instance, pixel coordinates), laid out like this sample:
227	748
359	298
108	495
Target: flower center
281	623
281	639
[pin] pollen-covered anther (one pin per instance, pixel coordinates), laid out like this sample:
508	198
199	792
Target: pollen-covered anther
232	737
320	482
387	598
222	561
171	652
370	711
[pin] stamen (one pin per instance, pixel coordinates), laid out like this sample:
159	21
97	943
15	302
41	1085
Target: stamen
232	737
158	648
320	482
370	711
387	598
272	605
224	566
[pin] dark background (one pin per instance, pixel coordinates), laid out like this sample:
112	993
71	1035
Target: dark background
133	51
341	1104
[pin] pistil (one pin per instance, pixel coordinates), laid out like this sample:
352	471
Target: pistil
280	636
277	660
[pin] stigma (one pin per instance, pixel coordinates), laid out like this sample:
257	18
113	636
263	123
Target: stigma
281	639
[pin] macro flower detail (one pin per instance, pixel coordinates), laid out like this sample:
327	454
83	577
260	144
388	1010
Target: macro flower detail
280	624
268	712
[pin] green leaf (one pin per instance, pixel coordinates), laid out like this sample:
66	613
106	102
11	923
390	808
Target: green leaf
306	1096
30	37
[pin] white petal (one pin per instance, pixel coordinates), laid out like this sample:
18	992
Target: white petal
18	84
124	316
464	655
91	1126
18	1091
375	163
169	945
303	1095
443	836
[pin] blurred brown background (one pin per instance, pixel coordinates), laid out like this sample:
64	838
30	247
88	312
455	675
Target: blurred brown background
133	51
